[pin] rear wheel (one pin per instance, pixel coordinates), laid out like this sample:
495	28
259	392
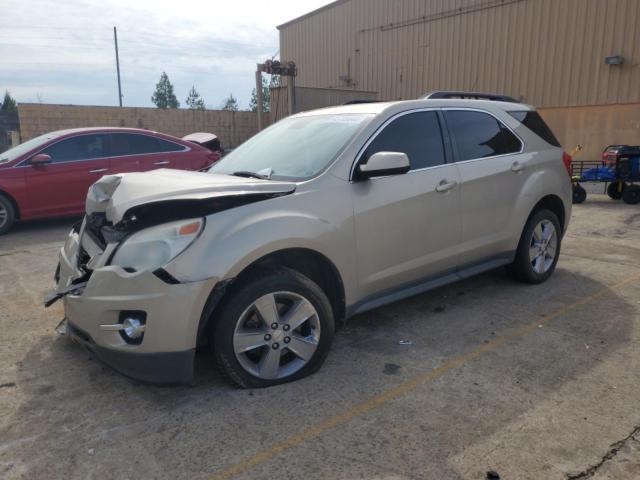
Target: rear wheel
538	249
273	329
7	214
616	189
579	194
631	194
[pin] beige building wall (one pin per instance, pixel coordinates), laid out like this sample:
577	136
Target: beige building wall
594	127
233	128
548	53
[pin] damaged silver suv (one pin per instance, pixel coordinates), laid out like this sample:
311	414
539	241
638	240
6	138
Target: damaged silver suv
324	215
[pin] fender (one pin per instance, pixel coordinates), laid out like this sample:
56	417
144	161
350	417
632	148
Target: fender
540	184
236	238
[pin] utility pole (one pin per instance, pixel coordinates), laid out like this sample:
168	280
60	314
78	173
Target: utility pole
291	94
259	95
284	69
115	39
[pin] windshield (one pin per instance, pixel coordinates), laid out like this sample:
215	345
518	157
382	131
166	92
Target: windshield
15	152
294	148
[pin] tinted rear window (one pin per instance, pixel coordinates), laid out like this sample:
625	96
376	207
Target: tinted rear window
534	122
416	134
480	135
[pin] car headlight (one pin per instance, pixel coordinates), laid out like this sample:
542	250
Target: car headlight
154	247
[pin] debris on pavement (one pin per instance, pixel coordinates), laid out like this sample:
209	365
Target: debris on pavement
391	368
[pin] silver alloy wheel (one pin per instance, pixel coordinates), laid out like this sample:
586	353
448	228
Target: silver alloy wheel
4	215
277	335
543	247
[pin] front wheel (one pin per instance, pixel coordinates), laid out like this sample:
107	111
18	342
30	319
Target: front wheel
275	328
7	214
538	249
579	194
616	189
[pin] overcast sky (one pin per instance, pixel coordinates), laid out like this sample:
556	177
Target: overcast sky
62	51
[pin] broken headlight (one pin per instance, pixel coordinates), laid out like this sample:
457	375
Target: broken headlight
154	247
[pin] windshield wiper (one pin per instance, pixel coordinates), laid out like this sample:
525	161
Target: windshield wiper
247	174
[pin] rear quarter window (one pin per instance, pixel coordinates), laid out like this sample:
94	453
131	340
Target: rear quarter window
534	122
167	146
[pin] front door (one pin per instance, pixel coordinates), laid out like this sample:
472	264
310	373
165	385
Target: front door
408	227
60	187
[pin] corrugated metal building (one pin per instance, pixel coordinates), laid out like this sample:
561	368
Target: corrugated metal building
549	53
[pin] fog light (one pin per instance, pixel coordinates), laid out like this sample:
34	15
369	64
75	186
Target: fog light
133	325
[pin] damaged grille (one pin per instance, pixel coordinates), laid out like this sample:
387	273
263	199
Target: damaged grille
92	242
93	228
83	258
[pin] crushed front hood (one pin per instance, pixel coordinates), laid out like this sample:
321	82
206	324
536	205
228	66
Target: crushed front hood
115	195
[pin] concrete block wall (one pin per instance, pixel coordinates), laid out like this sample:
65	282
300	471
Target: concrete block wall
312	98
232	128
593	127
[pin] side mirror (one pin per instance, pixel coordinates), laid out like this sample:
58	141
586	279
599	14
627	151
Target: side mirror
41	159
384	163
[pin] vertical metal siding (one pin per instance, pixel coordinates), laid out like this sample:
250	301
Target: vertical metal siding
549	52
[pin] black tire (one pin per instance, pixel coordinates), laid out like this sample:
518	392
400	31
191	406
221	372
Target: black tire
579	194
631	194
242	297
615	191
522	268
7	214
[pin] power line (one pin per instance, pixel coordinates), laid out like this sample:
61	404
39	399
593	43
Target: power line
55	63
41	45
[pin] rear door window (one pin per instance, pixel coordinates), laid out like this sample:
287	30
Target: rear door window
416	134
82	147
133	144
480	135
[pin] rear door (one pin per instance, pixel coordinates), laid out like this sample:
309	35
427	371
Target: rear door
493	172
407	226
137	152
133	152
60	187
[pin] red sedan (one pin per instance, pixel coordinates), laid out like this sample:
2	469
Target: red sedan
48	176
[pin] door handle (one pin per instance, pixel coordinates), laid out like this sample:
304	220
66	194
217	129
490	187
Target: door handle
162	162
445	186
98	170
517	166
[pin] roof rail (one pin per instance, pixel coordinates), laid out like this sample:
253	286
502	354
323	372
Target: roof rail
357	102
470	95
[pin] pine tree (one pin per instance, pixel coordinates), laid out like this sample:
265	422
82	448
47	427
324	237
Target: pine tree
230	104
164	97
194	101
266	94
8	103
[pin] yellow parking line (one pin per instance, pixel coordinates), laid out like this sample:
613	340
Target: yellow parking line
407	386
